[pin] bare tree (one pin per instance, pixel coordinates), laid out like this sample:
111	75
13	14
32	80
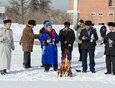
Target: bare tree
34	5
59	17
44	5
24	7
18	8
39	8
13	10
23	10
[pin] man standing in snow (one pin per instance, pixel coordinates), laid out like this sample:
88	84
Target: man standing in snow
88	36
103	31
109	41
27	41
6	45
78	27
67	38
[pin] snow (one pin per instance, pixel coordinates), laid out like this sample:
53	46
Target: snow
18	77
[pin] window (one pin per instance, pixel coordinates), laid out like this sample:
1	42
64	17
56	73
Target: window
93	14
101	14
110	2
111	14
101	23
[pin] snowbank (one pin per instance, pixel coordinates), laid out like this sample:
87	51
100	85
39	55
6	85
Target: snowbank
18	28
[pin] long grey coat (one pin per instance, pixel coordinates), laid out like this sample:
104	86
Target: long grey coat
6	44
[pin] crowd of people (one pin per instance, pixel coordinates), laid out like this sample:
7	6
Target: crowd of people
86	37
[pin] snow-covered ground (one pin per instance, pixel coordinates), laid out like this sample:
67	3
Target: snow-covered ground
18	77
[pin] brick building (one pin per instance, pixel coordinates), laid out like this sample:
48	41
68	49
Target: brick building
99	11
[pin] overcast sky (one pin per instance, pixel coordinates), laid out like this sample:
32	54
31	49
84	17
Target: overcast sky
58	4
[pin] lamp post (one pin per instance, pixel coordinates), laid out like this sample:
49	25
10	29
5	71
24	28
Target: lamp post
75	11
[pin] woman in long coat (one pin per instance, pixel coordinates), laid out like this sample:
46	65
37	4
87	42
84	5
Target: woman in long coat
49	39
6	44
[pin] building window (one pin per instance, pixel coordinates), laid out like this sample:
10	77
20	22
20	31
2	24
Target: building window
101	14
111	14
111	2
101	23
93	14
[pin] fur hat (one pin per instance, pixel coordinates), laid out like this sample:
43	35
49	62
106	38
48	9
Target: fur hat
32	22
81	21
88	23
7	20
111	24
48	24
67	23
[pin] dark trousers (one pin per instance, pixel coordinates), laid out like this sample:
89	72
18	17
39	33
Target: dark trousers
110	64
103	35
27	59
80	51
69	55
84	59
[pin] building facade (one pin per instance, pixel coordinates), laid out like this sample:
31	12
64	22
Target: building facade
99	11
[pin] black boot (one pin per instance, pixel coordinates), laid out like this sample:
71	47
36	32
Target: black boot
55	66
107	73
3	72
43	65
47	67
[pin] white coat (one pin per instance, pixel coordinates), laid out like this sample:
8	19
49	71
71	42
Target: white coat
6	44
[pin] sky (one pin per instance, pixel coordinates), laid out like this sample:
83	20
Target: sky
57	4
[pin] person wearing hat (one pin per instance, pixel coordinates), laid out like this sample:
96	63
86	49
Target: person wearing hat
88	36
109	42
6	45
27	41
48	40
67	38
43	28
103	31
78	27
41	31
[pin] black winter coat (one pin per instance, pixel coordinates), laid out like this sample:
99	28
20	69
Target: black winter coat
110	49
88	44
103	31
69	36
42	30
